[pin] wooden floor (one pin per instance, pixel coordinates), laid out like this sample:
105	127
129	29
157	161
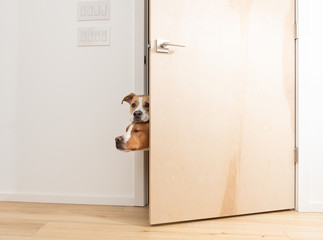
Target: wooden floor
30	221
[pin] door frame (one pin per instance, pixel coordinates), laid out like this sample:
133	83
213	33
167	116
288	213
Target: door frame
308	155
140	86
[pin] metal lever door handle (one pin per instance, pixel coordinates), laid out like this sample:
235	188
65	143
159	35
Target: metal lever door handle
162	45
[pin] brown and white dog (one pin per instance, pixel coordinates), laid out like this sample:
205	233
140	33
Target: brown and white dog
136	138
139	107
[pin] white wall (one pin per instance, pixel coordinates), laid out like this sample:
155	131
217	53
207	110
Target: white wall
60	104
310	165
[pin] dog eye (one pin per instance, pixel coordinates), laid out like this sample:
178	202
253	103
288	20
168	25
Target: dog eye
133	105
147	105
136	131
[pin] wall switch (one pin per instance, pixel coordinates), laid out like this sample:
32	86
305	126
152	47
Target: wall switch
93	36
95	10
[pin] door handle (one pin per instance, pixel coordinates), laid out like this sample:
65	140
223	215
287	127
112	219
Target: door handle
163	45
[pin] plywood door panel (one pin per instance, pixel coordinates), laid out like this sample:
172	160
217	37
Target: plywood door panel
222	108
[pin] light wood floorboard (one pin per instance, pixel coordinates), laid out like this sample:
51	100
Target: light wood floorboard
39	221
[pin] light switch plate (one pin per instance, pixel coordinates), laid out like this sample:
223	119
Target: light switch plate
93	36
94	10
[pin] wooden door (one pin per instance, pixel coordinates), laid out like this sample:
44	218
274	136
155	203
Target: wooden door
222	108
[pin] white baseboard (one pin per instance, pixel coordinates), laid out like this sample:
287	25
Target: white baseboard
317	206
68	199
311	206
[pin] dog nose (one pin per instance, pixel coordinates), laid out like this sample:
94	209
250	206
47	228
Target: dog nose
118	139
137	113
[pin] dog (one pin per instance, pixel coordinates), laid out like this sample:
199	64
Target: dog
136	138
139	107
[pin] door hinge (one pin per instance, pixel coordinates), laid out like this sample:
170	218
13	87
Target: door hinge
296	30
296	155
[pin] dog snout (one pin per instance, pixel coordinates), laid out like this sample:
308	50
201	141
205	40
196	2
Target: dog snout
119	139
119	142
137	114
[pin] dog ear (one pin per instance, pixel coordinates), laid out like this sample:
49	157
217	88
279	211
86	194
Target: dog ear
128	98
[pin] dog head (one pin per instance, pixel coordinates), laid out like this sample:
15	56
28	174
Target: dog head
139	107
136	138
